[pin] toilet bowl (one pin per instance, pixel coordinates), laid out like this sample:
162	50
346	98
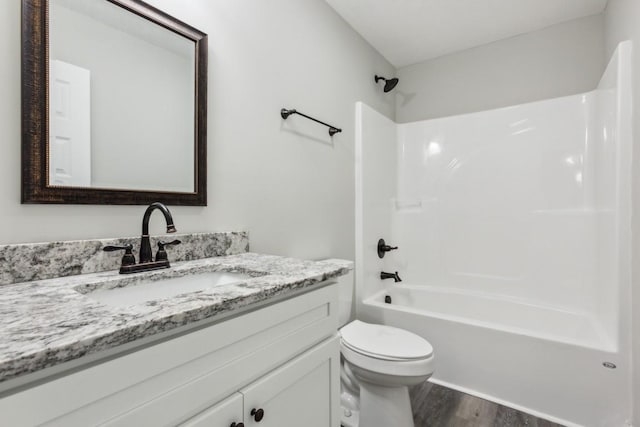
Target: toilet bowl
378	364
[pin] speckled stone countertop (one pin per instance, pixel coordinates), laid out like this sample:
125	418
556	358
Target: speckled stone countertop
48	322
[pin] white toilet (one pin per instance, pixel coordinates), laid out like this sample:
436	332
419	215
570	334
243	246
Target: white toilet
378	365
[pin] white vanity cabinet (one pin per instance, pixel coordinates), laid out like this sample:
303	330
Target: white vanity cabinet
282	359
298	393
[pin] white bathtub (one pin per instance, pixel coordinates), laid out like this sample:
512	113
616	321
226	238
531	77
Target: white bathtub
541	360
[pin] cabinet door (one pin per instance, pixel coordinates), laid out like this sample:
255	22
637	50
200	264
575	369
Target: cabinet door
303	392
223	414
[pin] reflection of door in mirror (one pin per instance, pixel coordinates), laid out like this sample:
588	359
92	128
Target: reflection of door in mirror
142	96
70	125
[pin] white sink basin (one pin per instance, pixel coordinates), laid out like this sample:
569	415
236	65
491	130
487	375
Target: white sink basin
150	291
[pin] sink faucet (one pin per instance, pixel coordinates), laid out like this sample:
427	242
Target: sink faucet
145	245
393	276
146	260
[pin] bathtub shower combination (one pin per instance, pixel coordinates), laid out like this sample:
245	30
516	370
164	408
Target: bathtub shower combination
513	227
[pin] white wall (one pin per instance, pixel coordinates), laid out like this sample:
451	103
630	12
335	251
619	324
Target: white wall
622	22
564	59
286	183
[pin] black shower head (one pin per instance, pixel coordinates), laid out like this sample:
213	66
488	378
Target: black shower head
389	84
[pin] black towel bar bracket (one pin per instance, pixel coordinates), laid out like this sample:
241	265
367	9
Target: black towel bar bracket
284	113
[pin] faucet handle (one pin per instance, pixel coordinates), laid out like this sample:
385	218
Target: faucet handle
128	258
383	248
161	245
161	255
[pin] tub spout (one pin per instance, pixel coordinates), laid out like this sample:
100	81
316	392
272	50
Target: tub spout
393	276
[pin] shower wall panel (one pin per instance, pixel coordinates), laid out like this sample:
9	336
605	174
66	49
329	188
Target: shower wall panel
522	203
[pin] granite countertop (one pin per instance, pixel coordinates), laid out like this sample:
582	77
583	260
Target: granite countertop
45	323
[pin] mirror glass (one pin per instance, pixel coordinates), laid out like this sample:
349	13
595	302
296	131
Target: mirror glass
122	100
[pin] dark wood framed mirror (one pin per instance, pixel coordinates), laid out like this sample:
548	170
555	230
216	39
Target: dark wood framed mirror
114	104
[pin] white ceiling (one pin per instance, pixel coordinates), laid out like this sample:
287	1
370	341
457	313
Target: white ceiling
411	31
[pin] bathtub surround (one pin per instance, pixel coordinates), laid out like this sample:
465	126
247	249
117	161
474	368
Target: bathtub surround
513	228
50	322
621	23
519	203
37	261
376	182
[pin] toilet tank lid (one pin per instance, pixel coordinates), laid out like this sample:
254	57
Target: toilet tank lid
385	341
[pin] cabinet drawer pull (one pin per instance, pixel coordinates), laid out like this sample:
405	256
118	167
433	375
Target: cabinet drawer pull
257	414
237	425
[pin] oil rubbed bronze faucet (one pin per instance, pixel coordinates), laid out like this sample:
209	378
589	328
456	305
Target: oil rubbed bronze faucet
145	245
146	259
394	276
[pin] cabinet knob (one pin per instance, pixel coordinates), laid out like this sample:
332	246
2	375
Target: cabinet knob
237	425
257	414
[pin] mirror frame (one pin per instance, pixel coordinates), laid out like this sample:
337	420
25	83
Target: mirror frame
35	117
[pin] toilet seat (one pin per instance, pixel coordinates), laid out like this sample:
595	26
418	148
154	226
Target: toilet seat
386	350
395	368
384	342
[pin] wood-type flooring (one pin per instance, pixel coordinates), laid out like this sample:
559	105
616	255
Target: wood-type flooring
437	406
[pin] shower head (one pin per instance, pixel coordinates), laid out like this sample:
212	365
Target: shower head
389	83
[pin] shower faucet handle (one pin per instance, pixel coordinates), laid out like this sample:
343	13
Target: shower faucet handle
384	248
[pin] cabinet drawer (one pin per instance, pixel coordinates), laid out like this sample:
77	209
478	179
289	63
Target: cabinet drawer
167	383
